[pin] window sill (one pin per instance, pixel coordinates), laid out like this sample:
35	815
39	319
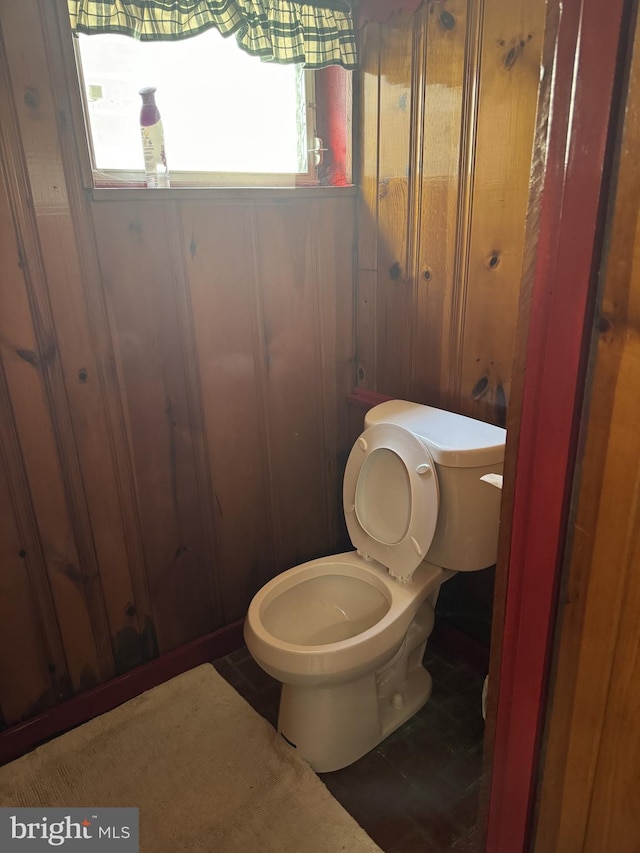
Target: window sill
223	194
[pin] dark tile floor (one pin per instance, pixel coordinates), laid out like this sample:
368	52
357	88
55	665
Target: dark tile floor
417	792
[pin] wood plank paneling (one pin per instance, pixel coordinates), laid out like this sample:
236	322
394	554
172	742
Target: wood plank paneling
335	277
30	356
108	477
589	787
37	677
394	298
507	99
174	373
367	239
443	72
453	116
25	680
368	102
140	283
217	241
293	388
63	314
32	466
183	327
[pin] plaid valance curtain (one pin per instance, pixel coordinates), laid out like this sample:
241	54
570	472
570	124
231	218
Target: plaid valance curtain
316	33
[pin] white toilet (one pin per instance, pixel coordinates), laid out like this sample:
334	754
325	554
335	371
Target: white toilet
346	634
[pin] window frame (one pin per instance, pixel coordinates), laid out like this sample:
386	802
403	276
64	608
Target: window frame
135	179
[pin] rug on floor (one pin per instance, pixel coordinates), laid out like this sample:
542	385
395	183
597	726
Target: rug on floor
208	774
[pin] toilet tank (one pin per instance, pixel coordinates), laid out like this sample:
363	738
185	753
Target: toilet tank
463	449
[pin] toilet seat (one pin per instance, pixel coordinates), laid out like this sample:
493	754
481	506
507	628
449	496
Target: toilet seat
390	496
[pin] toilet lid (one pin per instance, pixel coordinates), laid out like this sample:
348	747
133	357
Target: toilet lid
390	497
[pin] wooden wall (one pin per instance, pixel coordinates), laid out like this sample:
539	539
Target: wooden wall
448	101
173	377
175	365
589	767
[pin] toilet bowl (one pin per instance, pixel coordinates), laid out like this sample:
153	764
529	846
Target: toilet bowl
346	634
335	632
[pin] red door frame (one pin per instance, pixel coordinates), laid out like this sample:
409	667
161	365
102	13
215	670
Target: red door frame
572	204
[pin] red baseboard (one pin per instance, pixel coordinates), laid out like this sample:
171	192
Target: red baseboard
361	398
23	737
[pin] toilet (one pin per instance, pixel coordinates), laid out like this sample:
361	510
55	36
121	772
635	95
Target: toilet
346	634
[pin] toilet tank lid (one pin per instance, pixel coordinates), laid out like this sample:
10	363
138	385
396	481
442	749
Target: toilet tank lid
455	441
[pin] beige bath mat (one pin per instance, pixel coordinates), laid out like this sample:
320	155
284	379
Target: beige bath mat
208	774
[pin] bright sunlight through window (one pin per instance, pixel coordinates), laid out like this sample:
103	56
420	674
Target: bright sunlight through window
222	110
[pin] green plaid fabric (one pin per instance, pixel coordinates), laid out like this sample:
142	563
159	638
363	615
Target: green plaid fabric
316	33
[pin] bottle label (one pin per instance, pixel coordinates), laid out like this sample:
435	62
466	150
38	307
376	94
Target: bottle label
155	160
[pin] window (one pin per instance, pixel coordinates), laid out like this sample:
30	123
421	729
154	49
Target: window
228	118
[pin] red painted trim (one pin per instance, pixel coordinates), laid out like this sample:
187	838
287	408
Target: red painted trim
363	399
333	124
562	303
25	736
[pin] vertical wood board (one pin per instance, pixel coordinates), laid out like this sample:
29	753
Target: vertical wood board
217	241
139	282
509	78
436	209
294	386
394	303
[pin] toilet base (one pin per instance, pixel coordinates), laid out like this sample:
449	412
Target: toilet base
415	693
331	727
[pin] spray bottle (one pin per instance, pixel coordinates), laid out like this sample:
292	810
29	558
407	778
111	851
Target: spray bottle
155	159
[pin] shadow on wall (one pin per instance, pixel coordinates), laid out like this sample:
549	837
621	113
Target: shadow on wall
466	602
